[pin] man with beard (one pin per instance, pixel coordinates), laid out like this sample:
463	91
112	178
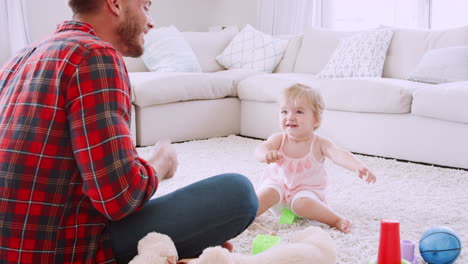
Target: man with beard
72	187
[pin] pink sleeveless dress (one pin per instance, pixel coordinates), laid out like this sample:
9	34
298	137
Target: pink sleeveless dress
297	175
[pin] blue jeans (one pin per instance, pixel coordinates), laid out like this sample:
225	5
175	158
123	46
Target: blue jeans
204	214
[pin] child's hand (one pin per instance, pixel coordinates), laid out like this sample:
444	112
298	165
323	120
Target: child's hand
363	172
273	156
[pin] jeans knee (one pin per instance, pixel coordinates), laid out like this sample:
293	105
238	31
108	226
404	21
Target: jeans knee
241	194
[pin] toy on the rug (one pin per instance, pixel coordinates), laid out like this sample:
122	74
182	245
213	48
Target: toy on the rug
440	245
264	242
287	217
407	251
155	248
310	245
389	244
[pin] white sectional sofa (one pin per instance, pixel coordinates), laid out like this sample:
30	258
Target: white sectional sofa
390	116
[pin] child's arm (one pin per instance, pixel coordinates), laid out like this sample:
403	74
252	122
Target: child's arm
345	159
268	151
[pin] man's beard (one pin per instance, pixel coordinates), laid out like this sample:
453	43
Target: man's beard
129	35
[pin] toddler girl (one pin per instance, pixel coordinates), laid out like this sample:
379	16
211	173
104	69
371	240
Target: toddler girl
296	176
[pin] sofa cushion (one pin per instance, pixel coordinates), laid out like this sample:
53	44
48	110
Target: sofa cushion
236	76
359	55
166	50
446	101
207	45
317	47
369	95
253	50
372	95
442	66
289	58
408	46
153	88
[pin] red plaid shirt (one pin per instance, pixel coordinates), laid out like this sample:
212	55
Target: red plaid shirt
67	162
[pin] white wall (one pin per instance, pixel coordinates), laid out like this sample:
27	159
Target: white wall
236	12
200	15
4	39
186	15
44	15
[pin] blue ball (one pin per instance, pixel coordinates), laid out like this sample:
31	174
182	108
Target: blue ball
440	245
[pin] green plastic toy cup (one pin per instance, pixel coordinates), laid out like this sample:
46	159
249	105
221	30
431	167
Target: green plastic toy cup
264	242
287	217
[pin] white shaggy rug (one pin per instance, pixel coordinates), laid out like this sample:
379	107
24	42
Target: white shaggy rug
419	196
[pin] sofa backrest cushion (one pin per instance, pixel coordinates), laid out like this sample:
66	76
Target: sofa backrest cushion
406	49
408	46
289	58
317	47
207	45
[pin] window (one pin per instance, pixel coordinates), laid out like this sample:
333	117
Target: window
449	13
364	14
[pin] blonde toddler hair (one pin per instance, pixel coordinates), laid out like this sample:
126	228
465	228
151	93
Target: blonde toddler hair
311	95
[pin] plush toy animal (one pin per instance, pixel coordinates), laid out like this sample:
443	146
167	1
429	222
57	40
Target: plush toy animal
310	245
155	248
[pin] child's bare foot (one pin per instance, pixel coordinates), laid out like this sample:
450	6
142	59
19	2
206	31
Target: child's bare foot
343	225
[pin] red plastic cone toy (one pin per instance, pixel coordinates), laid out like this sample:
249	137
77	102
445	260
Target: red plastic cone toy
389	245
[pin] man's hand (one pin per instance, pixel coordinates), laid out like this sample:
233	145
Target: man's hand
164	159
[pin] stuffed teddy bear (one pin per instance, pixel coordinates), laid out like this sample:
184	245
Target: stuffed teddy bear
310	245
155	248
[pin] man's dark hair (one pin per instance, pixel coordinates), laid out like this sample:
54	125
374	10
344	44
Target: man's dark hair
84	6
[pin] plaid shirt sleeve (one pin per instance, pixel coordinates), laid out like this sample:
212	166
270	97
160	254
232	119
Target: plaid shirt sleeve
115	179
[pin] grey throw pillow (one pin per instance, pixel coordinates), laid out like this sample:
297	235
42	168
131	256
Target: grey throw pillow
442	65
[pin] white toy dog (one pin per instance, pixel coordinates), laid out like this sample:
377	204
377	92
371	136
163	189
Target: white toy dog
311	245
155	248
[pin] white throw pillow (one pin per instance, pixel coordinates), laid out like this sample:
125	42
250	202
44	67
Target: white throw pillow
253	50
359	55
166	50
442	66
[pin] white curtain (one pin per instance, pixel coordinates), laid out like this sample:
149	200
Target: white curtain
13	28
287	17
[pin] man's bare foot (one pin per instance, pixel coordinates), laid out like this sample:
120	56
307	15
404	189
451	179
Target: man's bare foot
228	245
343	225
